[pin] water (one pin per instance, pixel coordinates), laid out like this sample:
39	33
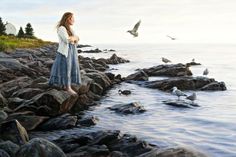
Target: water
210	128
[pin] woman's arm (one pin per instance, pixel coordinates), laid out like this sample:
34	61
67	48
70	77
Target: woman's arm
63	34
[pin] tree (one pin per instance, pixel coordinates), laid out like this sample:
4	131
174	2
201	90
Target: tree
21	33
2	27
29	32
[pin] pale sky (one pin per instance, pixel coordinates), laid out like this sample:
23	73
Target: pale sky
106	21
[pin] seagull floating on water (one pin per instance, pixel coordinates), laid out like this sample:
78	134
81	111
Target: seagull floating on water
192	97
206	72
124	92
178	92
165	60
134	31
172	38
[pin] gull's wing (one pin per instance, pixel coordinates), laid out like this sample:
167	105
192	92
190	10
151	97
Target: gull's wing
136	26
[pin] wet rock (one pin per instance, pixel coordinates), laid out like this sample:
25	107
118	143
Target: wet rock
38	147
114	59
131	108
49	103
92	51
88	121
96	88
27	119
192	64
93	151
138	76
180	103
100	78
3	115
3	101
27	93
9	87
64	121
172	70
81	46
215	86
184	83
173	152
4	153
13	131
15	102
9	147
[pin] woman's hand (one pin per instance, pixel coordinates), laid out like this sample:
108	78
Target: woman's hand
73	39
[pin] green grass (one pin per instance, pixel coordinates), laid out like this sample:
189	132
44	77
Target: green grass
9	43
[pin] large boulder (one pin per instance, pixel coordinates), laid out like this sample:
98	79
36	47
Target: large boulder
39	147
13	131
138	76
27	119
172	70
10	147
49	103
64	121
100	78
114	59
184	83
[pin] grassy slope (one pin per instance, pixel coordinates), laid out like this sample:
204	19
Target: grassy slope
8	43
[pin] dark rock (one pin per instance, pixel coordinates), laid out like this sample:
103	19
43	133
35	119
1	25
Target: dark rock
3	101
27	119
96	88
93	151
39	147
88	121
114	59
27	93
131	108
92	51
172	70
4	153
3	115
138	76
9	87
65	121
13	131
56	102
81	46
184	83
215	86
173	152
100	78
15	102
180	103
192	64
10	147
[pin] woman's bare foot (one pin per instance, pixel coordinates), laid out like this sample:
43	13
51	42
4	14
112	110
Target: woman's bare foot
71	91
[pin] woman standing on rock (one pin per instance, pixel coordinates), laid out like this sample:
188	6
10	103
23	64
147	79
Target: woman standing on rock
65	69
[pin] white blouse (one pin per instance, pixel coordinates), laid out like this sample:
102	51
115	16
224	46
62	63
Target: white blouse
64	40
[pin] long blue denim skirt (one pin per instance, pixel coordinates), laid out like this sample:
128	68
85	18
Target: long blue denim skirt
65	70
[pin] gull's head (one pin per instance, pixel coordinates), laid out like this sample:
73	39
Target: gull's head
174	88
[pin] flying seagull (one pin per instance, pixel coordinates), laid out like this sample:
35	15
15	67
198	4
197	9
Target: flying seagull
193	60
206	72
178	92
165	60
134	31
192	97
172	38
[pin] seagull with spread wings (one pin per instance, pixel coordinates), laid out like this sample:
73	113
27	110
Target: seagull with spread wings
134	31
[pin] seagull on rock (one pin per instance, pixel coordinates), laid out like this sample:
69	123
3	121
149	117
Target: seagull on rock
134	31
192	97
165	60
206	72
178	92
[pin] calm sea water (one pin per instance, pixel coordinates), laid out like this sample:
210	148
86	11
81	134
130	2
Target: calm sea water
210	128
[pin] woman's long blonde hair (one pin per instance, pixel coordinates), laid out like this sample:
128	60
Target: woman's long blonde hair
64	22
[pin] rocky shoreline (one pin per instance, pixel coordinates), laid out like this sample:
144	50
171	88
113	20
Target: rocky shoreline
40	120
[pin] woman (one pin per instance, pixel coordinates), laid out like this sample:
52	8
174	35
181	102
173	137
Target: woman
65	69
